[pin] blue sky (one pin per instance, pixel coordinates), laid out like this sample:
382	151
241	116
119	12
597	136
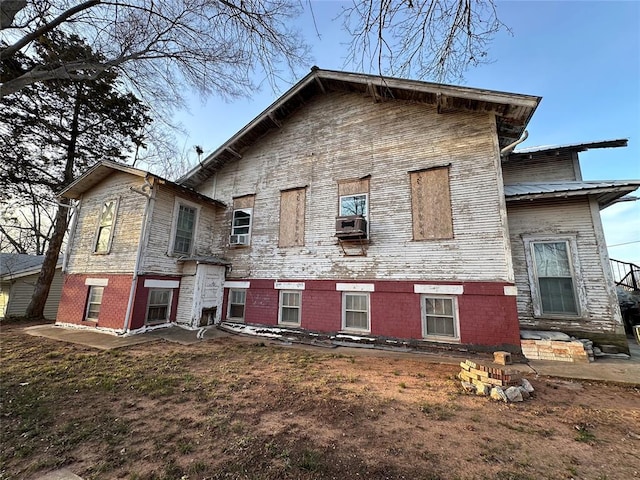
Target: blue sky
583	58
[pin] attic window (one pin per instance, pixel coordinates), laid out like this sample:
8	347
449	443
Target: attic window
104	234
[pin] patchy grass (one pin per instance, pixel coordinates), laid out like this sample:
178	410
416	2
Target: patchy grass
231	409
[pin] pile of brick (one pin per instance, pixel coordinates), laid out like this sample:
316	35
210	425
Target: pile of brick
498	383
578	351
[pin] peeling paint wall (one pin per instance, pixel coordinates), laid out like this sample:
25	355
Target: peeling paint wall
347	136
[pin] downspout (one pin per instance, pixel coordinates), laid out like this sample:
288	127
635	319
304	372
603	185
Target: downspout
148	191
509	148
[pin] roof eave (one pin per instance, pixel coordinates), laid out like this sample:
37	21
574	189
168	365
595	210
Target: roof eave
514	110
606	196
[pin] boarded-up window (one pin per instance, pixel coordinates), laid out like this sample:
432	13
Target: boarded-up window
292	210
431	204
352	187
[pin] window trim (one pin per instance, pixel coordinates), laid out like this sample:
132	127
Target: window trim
362	194
248	210
174	226
96	237
169	305
89	303
456	318
244	305
281	306
570	239
344	311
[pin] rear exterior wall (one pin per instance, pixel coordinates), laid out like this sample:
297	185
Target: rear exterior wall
343	136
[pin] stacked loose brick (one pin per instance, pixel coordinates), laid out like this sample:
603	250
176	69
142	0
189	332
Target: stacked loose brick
571	351
478	374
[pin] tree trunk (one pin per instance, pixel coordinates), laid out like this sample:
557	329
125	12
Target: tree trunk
35	310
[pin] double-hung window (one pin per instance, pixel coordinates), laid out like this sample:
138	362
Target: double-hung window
440	318
94	301
241	226
106	222
237	301
159	305
355	311
290	307
186	217
242	220
553	272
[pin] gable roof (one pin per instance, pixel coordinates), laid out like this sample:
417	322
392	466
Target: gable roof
14	265
513	111
103	169
606	192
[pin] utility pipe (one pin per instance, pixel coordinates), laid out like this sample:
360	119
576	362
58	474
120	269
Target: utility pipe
509	148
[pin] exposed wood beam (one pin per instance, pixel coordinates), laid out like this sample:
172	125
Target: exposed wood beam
373	91
273	118
233	152
319	82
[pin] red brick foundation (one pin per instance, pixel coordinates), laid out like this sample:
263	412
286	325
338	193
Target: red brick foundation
73	302
487	316
113	311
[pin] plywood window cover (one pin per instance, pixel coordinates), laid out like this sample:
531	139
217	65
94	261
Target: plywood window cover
244	201
292	217
431	220
353	186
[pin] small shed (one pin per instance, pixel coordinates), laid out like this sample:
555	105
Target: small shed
18	276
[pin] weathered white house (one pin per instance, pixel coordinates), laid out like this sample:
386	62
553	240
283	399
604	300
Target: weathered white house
388	208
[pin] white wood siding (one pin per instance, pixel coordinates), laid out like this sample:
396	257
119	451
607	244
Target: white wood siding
126	235
344	136
156	258
572	217
542	168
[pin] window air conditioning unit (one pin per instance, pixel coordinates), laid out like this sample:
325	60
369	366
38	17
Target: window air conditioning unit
352	227
241	239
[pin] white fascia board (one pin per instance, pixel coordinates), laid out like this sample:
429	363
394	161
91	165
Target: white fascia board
355	287
150	283
439	289
237	284
288	285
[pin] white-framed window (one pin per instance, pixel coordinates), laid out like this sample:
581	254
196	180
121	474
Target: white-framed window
185	223
440	318
106	222
355	311
354	205
551	263
159	305
290	307
94	302
241	226
237	301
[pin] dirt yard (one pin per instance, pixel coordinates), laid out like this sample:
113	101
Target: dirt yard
237	409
